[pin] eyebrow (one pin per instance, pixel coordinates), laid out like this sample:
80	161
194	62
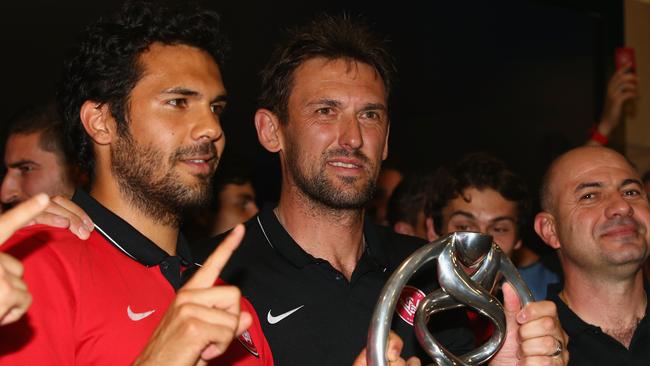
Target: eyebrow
625	182
462	213
629	181
472	217
327	102
582	186
193	93
374	106
336	103
503	218
20	163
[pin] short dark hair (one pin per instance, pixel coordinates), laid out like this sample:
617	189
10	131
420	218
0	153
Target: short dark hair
43	119
478	170
224	177
105	66
408	199
330	37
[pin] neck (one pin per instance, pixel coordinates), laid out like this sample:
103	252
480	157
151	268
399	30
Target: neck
106	191
614	306
334	235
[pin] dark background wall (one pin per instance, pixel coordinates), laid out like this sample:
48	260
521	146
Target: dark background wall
522	79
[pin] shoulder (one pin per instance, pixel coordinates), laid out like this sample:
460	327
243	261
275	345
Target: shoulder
40	241
202	250
396	246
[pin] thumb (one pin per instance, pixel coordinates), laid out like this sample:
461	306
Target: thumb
245	321
511	304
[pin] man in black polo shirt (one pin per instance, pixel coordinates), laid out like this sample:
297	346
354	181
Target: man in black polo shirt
312	267
596	214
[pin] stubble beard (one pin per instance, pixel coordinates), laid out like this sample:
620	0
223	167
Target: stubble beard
163	198
320	188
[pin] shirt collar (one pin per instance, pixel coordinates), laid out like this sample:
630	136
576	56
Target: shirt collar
278	238
125	237
570	321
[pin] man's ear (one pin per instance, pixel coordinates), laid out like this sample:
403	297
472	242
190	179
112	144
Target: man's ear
385	154
267	125
97	121
517	245
431	230
546	228
404	228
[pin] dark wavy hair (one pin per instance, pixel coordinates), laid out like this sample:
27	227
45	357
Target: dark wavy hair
331	37
478	170
104	67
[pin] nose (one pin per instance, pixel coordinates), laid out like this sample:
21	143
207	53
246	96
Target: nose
10	191
207	127
618	206
350	137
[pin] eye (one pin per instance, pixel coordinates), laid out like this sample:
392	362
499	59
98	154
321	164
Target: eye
324	111
587	197
371	115
501	230
178	102
217	108
25	168
632	193
462	227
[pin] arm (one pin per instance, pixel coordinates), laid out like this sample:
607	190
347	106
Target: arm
622	87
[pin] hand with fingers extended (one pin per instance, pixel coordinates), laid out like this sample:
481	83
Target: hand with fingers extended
622	87
203	319
14	296
395	345
534	335
63	213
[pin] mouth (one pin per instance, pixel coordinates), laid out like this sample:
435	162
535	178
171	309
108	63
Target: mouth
201	165
347	164
621	231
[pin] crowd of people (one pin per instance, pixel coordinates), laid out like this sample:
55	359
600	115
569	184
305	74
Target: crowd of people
126	241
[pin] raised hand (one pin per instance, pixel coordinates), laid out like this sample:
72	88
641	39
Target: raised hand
63	213
14	296
622	87
203	319
534	336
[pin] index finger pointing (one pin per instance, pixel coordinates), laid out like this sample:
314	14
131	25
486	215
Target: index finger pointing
207	275
20	215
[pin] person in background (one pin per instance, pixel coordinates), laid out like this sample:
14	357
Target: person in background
596	215
406	205
233	202
387	180
621	88
35	158
479	193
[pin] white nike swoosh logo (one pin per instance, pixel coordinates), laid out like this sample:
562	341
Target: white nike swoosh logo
137	316
274	319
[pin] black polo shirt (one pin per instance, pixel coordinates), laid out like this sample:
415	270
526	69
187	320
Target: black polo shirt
176	269
310	313
589	345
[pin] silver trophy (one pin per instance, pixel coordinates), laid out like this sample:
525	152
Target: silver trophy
455	253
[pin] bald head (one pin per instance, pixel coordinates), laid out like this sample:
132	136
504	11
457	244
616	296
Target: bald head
579	160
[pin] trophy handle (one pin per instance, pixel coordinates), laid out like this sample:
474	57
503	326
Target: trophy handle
443	249
382	316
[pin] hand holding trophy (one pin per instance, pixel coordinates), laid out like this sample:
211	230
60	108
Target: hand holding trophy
454	253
